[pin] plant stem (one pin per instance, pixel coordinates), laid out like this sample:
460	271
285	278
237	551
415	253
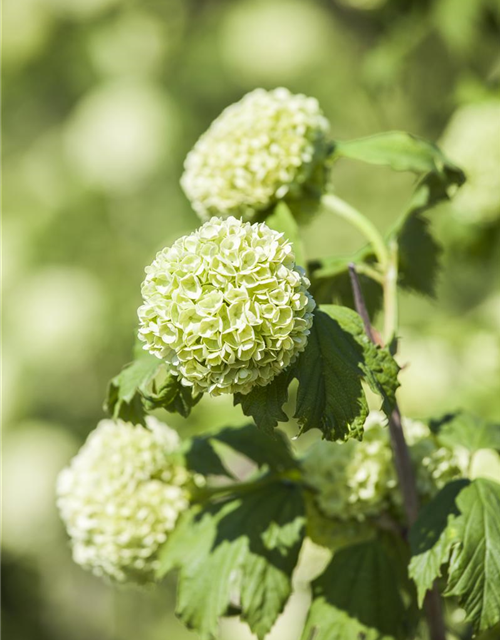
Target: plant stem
402	461
364	225
390	287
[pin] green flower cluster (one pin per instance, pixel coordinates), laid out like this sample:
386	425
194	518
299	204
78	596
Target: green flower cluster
265	147
226	306
121	496
357	480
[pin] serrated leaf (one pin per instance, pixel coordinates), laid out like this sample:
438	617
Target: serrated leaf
474	570
124	399
357	596
378	366
466	430
330	395
431	538
264	404
245	547
172	396
397	149
282	220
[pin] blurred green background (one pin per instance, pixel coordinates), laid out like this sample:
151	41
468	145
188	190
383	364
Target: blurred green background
102	101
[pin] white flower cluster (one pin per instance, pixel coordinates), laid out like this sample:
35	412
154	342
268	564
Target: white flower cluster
259	150
121	496
356	480
226	306
472	140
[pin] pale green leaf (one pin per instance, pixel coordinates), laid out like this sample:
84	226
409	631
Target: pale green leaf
246	547
431	538
466	430
282	220
474	570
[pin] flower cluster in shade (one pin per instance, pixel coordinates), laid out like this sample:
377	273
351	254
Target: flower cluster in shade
266	147
121	496
226	307
357	480
472	140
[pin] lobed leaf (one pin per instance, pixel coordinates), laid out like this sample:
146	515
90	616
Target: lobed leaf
357	596
466	430
432	536
172	396
474	570
238	554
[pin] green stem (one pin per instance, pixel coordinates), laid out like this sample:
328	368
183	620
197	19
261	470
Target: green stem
390	286
363	224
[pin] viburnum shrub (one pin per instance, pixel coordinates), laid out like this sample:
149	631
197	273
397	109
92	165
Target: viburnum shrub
233	308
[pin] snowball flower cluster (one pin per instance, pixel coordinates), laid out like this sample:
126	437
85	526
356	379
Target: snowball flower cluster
226	307
121	496
265	147
356	480
472	139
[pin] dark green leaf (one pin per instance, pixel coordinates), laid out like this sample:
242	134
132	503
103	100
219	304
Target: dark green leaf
172	396
357	596
474	570
282	220
201	457
378	366
399	150
466	430
330	395
124	397
258	446
418	251
431	539
264	404
247	546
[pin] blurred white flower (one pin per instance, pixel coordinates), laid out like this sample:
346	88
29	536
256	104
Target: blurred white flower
226	306
119	134
121	496
472	140
265	147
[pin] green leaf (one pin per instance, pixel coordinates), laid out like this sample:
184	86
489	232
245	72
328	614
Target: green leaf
282	220
247	546
431	539
264	404
399	150
357	596
124	399
466	430
201	457
330	395
172	396
330	281
259	447
418	251
474	570
378	366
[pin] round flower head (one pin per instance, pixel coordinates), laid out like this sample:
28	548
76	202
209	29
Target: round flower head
266	147
120	497
226	307
353	480
357	480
